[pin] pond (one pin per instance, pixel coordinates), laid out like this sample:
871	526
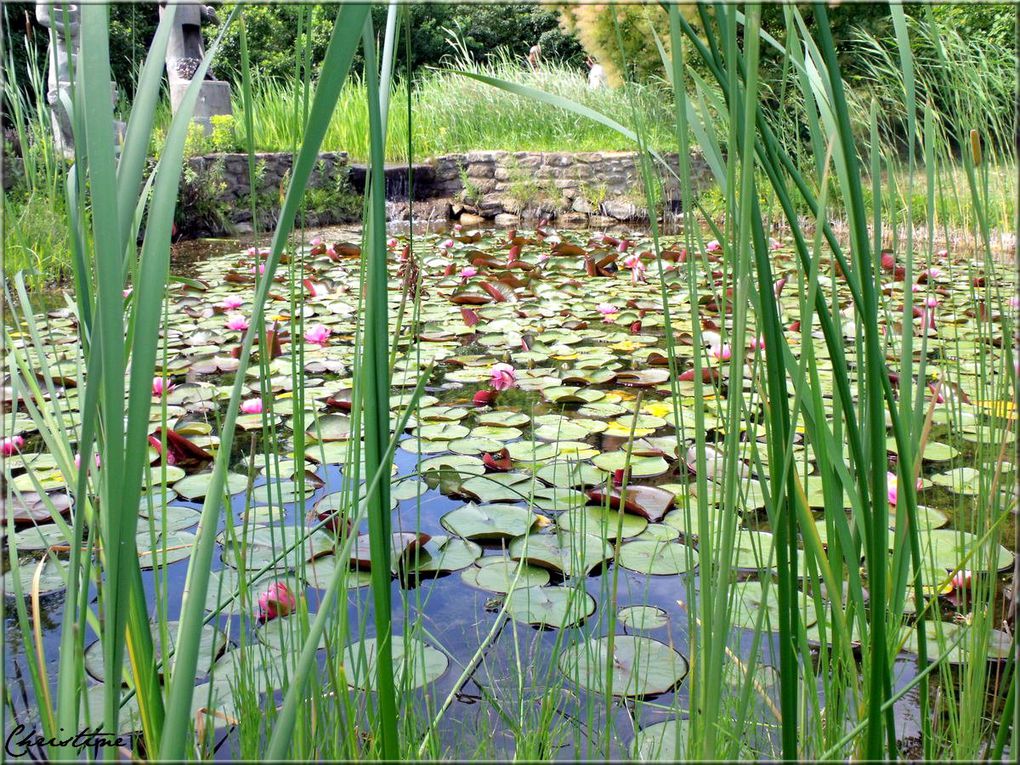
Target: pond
549	458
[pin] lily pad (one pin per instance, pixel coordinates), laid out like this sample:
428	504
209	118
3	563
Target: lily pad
415	663
570	553
640	467
498	521
641	666
497	574
750	598
602	522
662	742
197	486
210	646
653	557
643	617
442	554
550	606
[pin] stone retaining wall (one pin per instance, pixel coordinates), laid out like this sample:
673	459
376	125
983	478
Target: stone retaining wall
476	186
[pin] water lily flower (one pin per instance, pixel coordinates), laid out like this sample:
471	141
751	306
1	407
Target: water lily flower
277	600
458	227
231	302
260	269
467	273
774	244
446	245
962	579
253	252
392	243
11	446
504	377
713	246
77	460
543	257
758	344
484	397
237	323
252	406
318	334
1014	302
721	352
893	487
161	386
607	310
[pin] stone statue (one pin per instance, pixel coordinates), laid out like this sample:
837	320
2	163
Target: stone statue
184	53
63	21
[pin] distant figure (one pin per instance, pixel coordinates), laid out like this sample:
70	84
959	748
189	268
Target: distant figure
535	57
596	74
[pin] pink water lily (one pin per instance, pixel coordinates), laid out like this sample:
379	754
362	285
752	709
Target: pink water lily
316	242
237	323
318	334
503	377
392	243
77	460
962	579
758	344
774	244
277	600
11	446
252	406
161	386
713	246
893	487
720	352
232	302
607	310
259	269
447	244
467	273
1014	302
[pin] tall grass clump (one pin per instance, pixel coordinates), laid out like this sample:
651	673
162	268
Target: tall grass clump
119	309
35	239
867	585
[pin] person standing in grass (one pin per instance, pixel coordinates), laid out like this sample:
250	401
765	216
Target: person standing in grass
596	74
535	57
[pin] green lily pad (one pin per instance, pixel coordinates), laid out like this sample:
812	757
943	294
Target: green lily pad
500	487
651	557
602	522
51	580
571	473
498	521
415	663
210	646
955	643
567	552
284	634
643	617
197	486
750	599
442	554
640	467
662	742
641	666
497	574
171	548
39	537
550	606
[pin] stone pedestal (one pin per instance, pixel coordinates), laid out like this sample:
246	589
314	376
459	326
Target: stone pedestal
213	100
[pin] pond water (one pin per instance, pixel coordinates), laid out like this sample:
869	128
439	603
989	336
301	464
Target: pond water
578	317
